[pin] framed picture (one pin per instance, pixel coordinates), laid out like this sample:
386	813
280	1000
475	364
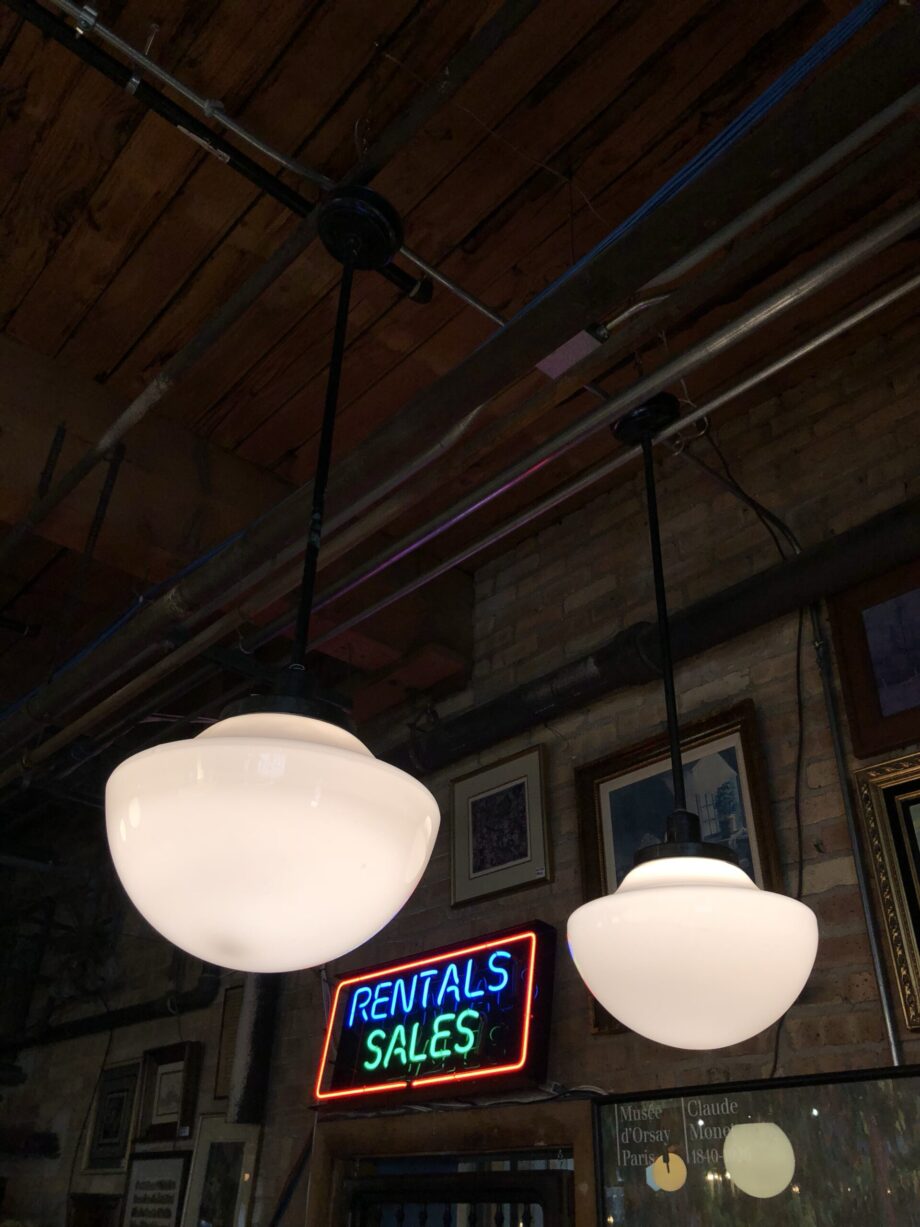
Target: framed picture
229	1027
498	832
889	797
169	1091
876	628
223	1174
156	1184
624	800
113	1117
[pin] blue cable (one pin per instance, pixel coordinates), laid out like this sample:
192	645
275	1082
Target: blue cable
825	47
835	38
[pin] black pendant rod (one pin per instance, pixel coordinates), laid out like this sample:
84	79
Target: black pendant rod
664	632
321	476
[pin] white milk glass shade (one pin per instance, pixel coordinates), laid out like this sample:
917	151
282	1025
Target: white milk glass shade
689	952
268	843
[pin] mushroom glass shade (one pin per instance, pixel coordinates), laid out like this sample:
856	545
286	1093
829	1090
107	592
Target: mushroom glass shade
270	842
689	952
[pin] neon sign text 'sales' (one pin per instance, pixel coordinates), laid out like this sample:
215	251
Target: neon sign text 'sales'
451	1015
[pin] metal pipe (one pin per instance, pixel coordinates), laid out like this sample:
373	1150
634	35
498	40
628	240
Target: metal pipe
630	658
201	995
88	23
607	413
840	759
431	99
578	485
193	648
53	696
794	184
214	111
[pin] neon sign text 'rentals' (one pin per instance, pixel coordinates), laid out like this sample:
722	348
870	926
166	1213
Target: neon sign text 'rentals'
453	1015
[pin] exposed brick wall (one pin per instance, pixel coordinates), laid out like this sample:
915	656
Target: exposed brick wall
837	445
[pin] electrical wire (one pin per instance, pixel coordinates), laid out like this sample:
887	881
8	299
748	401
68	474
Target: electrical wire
780	532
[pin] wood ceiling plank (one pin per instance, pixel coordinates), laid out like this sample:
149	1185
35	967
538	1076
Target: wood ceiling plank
34	80
730	185
550	114
227	60
499	267
504	78
86	133
328	54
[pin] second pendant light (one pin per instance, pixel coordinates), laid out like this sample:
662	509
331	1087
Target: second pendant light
688	951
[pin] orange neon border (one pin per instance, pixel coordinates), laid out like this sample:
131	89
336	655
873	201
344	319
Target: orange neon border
526	934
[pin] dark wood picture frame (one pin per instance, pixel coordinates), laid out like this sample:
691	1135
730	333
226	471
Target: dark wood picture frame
181	1064
176	1160
871	731
113	1116
740	721
889	798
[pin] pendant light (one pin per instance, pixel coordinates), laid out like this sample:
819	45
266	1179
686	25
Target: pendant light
688	951
275	840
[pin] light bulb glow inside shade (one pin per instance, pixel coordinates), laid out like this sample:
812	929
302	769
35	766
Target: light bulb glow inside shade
689	952
268	843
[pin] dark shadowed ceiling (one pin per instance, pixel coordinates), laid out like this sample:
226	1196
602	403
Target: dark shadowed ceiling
120	238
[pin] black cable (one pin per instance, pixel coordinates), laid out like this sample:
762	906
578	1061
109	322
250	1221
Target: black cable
321	476
664	633
780	531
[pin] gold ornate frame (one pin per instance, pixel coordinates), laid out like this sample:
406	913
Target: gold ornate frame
878	789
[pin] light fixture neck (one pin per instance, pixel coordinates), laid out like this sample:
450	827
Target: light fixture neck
361	230
683	836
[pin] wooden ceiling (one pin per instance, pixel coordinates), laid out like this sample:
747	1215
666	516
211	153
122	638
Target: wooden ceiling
120	238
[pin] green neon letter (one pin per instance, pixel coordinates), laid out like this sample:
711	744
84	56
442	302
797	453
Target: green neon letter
373	1038
441	1032
466	1030
414	1054
397	1044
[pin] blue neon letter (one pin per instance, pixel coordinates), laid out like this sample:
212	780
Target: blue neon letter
381	1000
447	986
495	958
357	1003
468	991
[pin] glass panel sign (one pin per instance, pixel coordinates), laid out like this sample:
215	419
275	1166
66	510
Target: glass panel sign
820	1153
454	1015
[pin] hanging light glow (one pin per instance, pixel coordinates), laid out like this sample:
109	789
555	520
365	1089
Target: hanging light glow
688	951
270	842
275	840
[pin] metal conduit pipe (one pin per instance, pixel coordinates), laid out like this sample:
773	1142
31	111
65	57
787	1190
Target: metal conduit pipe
630	657
186	123
429	101
668	374
201	995
267	545
87	21
141	684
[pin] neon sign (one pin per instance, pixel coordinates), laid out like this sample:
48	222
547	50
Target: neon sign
479	1010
